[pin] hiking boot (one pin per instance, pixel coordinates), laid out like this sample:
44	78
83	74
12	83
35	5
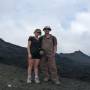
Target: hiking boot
57	82
46	79
29	80
37	80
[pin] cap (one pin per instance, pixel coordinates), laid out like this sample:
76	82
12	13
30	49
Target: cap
47	28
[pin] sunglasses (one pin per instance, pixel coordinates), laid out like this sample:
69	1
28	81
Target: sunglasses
47	29
38	32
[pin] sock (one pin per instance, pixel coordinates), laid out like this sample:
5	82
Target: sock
29	76
36	76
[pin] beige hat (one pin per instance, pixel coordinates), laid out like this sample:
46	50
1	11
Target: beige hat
47	28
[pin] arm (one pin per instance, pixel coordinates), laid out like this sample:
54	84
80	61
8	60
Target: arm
28	49
55	48
55	45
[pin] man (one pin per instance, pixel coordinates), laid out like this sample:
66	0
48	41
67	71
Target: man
49	45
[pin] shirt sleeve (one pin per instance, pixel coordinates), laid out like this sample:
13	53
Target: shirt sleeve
55	41
30	38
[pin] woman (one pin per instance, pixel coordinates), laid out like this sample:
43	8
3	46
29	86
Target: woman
33	56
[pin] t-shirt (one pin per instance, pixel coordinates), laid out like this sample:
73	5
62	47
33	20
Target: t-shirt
35	44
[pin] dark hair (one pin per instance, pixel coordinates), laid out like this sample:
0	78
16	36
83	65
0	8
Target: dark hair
38	30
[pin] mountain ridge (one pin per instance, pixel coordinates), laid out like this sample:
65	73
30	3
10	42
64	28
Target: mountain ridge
73	65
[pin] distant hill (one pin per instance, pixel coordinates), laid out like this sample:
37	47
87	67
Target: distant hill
73	65
8	49
12	54
78	56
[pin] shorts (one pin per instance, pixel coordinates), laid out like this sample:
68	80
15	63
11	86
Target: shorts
35	55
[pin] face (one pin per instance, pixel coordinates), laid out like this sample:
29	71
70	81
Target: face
47	31
37	33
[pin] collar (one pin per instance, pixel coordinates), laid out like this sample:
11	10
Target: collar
48	37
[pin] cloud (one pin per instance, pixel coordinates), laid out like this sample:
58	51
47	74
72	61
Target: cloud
81	23
78	34
63	11
7	7
69	20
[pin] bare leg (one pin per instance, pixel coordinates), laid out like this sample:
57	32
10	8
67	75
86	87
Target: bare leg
30	66
36	64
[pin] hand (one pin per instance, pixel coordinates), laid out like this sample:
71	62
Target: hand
41	52
54	52
29	56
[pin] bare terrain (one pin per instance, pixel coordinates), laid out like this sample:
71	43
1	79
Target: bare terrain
14	78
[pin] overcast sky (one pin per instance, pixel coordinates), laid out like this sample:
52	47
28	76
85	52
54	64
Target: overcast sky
69	20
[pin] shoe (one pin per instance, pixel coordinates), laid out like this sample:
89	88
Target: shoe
37	80
57	82
29	80
46	79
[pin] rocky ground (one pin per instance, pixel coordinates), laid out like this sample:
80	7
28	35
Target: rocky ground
14	78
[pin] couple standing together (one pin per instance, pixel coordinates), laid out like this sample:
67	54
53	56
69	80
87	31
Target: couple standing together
41	51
